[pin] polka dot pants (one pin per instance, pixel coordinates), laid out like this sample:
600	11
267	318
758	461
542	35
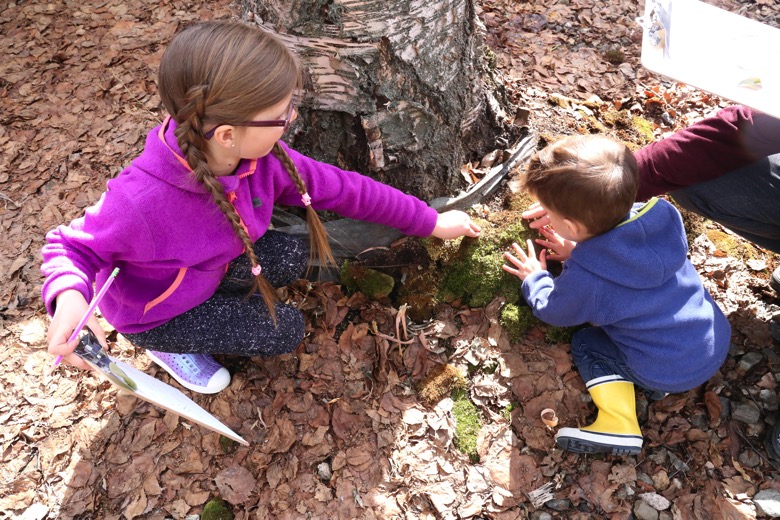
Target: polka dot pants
231	323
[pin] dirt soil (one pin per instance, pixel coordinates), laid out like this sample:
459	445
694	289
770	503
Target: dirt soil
337	428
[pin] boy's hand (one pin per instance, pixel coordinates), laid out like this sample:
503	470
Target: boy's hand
454	224
537	215
560	247
525	264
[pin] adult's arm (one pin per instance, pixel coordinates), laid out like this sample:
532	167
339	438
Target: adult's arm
734	137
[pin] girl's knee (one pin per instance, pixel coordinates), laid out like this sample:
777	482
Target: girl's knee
282	338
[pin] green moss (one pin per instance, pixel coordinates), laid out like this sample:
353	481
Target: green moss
516	320
467	424
560	334
506	413
644	130
419	292
733	245
441	381
471	268
372	283
228	445
615	55
216	509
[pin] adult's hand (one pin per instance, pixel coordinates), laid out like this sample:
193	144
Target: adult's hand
537	215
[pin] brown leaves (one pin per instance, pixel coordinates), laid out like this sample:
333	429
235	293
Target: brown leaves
235	484
337	429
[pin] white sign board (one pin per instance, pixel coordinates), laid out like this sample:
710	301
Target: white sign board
713	50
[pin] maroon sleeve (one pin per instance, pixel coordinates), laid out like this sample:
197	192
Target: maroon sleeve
734	137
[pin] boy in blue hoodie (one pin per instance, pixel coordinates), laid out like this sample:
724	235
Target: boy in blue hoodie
627	274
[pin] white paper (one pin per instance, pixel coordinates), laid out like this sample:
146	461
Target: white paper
169	398
717	51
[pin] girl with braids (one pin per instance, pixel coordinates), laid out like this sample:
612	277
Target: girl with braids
187	222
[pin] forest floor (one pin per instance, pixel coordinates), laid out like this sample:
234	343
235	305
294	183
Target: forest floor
337	429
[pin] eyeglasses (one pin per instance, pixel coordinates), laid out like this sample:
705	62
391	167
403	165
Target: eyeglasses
264	124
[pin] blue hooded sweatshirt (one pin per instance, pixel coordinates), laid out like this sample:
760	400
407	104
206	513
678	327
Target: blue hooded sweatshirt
636	283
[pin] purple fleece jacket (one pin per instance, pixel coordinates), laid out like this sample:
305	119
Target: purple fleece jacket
172	243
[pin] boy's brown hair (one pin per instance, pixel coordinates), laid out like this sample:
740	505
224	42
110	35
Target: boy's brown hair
588	178
222	72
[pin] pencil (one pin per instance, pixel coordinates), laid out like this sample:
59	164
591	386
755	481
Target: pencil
90	310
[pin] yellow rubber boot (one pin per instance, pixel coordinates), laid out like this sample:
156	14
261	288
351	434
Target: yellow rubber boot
615	430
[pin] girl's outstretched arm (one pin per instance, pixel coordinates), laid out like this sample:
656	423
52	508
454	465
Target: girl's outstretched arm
454	224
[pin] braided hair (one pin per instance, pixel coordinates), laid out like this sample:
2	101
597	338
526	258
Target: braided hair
220	72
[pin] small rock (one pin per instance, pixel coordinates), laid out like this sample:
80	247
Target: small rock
541	515
665	515
661	480
774	329
656	501
700	421
768	502
324	472
735	350
678	464
644	477
725	407
755	430
659	456
749	458
562	504
748	361
769	399
643	511
746	412
772	357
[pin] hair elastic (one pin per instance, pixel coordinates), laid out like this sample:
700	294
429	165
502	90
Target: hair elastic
306	199
256	270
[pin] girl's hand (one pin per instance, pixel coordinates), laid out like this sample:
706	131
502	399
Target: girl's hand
525	264
454	224
560	246
537	215
69	310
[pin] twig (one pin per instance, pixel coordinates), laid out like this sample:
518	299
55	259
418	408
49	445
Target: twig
391	338
9	199
747	441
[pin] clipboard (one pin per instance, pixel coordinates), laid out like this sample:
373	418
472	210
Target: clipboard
713	50
134	382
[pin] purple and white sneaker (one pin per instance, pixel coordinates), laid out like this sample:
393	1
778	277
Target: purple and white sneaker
197	372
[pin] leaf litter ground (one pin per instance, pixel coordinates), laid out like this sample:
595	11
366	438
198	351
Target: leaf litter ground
338	429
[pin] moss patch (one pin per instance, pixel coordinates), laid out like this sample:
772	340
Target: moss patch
560	334
471	268
419	292
372	283
516	320
467	424
733	245
440	382
216	509
228	446
634	131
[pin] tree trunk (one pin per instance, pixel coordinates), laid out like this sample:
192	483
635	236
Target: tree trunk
396	89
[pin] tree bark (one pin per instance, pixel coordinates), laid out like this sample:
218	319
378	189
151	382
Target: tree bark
396	89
